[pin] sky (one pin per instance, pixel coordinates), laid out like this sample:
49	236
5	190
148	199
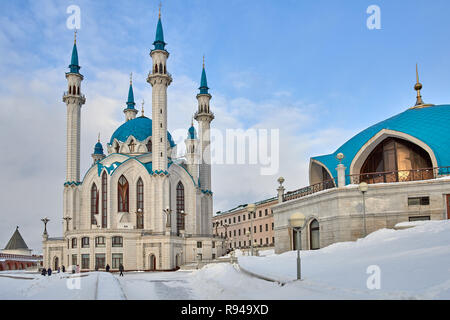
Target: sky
311	69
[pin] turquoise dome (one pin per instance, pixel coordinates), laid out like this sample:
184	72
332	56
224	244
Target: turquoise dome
98	149
140	128
192	133
431	125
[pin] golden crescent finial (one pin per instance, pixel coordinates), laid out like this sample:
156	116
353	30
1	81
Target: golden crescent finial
131	78
99	137
203	61
160	5
75	37
143	102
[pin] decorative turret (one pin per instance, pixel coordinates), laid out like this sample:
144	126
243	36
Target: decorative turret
130	111
192	152
98	154
159	79
74	99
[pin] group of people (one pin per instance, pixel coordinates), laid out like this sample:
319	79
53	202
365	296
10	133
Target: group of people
77	270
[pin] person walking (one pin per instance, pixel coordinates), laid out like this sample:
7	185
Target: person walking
121	270
63	269
78	268
44	272
107	268
49	272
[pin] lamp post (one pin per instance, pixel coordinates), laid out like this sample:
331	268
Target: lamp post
251	208
67	219
363	187
247	234
297	221
45	221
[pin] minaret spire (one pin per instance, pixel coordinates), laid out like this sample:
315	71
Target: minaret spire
130	111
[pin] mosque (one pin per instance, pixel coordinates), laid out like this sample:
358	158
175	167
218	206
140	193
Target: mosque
140	205
395	171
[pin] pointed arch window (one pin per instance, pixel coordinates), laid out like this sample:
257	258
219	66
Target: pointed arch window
94	204
180	206
123	194
314	235
104	200
156	68
140	204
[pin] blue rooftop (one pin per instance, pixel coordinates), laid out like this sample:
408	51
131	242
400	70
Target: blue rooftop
431	125
203	83
130	102
74	65
98	149
192	133
159	39
140	128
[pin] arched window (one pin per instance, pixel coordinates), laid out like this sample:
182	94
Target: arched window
140	204
117	241
104	200
180	206
156	68
394	159
78	91
94	204
149	145
123	194
165	70
314	235
74	90
74	243
70	89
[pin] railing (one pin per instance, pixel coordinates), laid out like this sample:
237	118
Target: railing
66	93
324	185
399	175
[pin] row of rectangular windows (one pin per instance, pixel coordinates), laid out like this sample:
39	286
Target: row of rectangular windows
100	260
266	213
233	233
238	244
99	242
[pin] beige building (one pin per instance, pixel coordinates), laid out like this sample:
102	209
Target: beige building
404	161
238	226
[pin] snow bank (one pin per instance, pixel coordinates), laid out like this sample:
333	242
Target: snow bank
414	263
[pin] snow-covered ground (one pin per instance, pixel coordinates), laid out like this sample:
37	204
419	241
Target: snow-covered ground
413	264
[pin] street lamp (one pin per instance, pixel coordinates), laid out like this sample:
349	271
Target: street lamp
297	221
45	221
363	187
251	208
247	234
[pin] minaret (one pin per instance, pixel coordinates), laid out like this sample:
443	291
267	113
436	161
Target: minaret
98	154
192	152
204	116
74	99
130	111
159	79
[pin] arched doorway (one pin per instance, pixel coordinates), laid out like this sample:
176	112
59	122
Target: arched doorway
314	235
152	262
56	264
397	160
177	261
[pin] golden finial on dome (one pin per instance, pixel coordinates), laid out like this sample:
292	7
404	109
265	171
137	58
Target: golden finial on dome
418	87
142	111
203	61
99	137
131	78
160	5
75	37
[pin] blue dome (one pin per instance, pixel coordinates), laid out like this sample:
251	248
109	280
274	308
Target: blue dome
140	128
431	125
192	133
98	148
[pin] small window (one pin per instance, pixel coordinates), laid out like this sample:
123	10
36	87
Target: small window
199	244
266	212
85	261
254	229
85	242
419	201
74	259
234	232
74	242
260	213
100	241
243	217
239	218
260	228
117	241
424	218
239	244
239	232
213	244
213	256
267	227
234	219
